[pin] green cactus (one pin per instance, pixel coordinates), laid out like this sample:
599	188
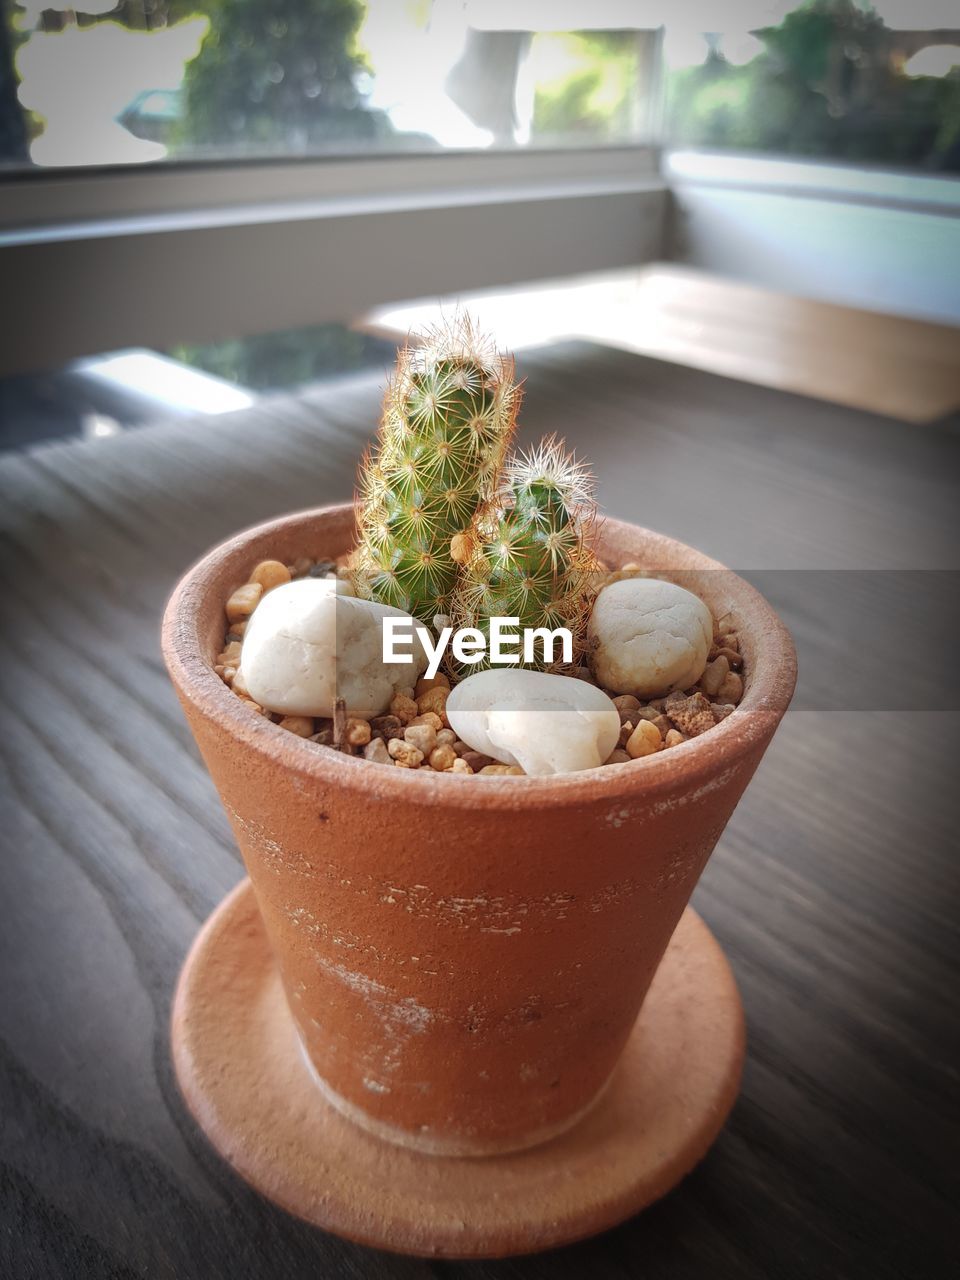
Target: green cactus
448	417
529	556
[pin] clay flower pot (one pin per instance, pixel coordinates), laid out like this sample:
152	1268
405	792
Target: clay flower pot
465	958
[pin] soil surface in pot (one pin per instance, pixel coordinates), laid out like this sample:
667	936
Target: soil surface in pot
415	733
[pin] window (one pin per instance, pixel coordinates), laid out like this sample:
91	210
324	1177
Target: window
97	83
837	80
227	167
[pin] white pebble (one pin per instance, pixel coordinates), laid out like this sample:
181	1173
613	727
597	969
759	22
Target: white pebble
310	642
649	637
544	723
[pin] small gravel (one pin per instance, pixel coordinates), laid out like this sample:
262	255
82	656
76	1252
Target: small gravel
416	734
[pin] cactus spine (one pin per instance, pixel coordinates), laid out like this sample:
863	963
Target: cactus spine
527	554
448	417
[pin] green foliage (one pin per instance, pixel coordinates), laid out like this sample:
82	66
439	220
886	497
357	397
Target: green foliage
287	358
278	76
806	41
829	83
448	417
13	120
529	555
594	95
272	76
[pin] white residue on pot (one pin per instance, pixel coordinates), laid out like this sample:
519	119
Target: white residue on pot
401	1017
691	797
504	914
618	817
375	1086
404	1010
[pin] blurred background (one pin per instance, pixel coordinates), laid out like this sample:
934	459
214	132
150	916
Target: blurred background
206	201
722	238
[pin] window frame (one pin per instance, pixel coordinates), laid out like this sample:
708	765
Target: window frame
36	198
197	252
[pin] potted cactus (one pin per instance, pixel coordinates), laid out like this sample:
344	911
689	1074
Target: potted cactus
528	554
448	419
466	935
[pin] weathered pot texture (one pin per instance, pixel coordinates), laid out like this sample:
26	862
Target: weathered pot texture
465	957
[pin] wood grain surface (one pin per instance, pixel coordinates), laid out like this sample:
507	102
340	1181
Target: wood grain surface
834	889
894	365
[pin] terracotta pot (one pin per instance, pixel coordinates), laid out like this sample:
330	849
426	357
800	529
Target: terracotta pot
465	957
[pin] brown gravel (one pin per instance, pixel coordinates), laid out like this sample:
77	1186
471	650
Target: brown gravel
422	736
732	688
404	708
692	715
243	601
416	733
376	750
443	757
434	700
270	574
644	740
302	726
404	753
386	727
425	684
357	732
477	760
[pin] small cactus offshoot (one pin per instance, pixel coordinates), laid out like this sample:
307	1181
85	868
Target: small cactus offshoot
448	417
527	555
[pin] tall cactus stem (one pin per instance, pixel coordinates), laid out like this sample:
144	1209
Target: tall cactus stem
448	418
528	551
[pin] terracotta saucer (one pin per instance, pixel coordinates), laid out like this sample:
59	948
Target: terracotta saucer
246	1080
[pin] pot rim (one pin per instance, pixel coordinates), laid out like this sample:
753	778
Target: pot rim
769	688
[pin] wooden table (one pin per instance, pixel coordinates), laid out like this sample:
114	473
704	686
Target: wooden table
889	364
834	889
